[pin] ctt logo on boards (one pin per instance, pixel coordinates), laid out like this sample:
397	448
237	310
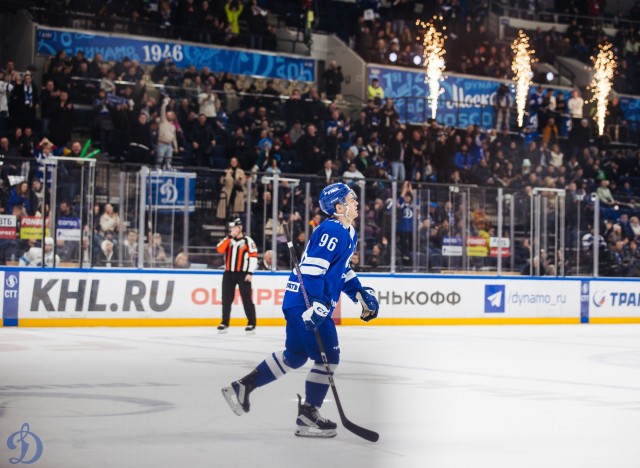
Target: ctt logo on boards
10	300
584	301
55	295
494	298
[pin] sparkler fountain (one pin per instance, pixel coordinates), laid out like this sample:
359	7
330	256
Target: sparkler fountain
601	84
433	61
521	67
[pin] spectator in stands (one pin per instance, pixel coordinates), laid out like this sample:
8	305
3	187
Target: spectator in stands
140	143
550	132
62	120
67	250
26	99
503	105
375	92
575	106
167	138
208	105
5	92
181	260
395	155
352	176
310	149
107	255
20	195
233	190
328	173
102	108
130	249
203	140
315	110
605	195
257	22
615	121
154	253
34	256
110	220
333	79
233	9
47	99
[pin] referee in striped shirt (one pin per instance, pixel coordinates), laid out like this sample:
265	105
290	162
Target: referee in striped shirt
241	260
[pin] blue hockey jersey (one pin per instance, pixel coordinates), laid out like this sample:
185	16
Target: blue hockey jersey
325	267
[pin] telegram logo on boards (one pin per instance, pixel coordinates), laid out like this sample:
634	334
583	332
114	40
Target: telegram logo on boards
494	298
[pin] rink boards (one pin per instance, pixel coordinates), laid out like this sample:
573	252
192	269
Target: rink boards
71	297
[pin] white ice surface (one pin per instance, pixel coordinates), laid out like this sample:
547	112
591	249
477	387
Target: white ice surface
440	397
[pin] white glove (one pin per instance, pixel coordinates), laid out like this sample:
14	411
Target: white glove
315	315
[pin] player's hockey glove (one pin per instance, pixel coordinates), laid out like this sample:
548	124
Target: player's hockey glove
315	315
369	301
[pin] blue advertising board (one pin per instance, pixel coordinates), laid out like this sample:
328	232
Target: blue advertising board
167	192
151	51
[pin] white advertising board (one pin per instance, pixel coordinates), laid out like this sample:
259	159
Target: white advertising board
613	299
463	297
404	299
137	294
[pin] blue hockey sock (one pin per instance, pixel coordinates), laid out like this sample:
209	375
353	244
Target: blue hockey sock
317	384
276	365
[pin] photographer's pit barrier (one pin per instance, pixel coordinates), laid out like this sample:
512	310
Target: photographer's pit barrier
71	297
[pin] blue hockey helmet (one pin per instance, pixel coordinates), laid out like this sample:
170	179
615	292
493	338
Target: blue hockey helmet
332	194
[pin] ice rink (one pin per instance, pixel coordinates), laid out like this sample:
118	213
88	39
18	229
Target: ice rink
440	397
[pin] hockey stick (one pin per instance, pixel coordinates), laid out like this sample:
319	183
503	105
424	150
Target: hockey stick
357	430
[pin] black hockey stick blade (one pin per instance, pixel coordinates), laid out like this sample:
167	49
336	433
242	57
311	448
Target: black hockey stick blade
366	434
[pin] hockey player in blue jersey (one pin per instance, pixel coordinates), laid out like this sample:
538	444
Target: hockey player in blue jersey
326	272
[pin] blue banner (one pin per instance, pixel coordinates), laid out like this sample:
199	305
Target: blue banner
471	96
630	107
474	97
151	51
167	192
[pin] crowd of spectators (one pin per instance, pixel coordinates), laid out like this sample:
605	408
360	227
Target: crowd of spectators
230	23
166	117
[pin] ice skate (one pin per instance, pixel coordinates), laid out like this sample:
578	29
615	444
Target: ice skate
222	329
250	330
237	394
311	424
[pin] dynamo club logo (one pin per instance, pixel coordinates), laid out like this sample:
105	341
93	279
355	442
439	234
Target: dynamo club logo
169	192
494	298
28	444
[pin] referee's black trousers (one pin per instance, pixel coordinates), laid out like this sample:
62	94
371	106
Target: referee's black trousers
229	281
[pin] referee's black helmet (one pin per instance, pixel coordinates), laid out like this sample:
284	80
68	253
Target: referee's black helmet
234	220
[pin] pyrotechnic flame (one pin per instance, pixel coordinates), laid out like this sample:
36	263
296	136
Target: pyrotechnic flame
433	61
604	67
521	67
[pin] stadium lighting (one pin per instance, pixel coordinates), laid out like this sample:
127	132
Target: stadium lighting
393	57
417	60
549	76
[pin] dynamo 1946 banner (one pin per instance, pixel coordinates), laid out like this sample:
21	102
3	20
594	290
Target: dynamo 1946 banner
150	52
